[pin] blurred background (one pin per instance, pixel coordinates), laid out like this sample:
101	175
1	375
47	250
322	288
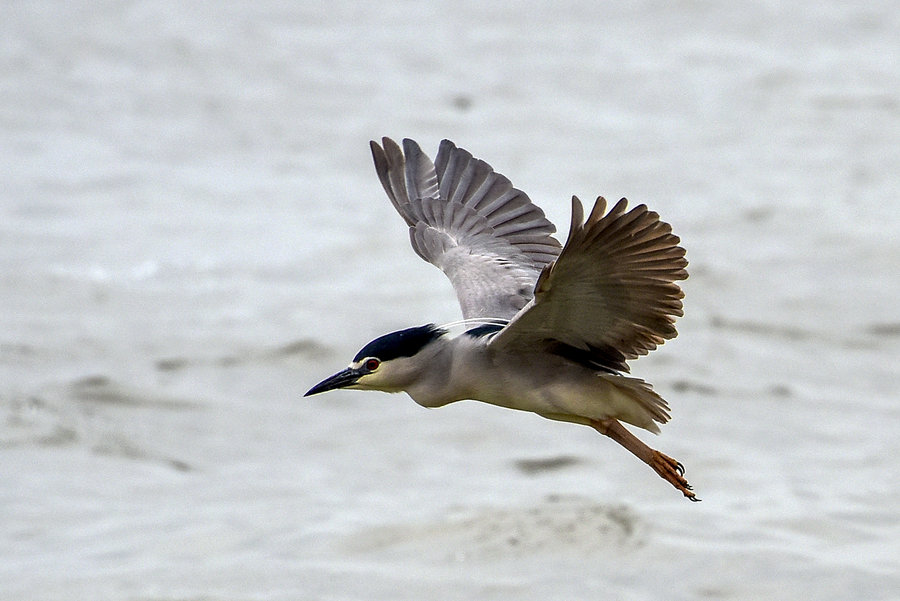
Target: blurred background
192	235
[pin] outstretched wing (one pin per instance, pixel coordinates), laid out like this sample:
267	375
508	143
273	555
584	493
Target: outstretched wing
611	295
485	235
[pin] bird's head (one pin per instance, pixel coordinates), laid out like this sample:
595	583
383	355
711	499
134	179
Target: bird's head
389	363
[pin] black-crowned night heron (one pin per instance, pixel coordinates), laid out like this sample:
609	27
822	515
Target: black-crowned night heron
547	328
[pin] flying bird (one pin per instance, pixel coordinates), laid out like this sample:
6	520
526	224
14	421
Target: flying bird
547	328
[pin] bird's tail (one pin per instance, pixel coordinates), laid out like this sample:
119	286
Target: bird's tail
637	403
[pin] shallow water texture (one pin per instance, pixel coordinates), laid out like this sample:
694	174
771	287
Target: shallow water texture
192	234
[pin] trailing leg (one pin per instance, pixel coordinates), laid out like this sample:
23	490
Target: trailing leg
670	470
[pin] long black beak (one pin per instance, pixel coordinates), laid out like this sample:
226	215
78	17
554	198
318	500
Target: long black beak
342	379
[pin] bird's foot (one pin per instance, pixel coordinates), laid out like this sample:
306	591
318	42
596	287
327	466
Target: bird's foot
672	472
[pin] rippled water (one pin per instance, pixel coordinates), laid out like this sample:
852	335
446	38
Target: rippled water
192	234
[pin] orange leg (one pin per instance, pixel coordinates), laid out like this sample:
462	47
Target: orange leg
670	470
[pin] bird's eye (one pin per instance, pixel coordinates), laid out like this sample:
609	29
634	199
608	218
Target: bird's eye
372	364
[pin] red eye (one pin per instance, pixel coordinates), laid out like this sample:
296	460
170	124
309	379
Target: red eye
372	364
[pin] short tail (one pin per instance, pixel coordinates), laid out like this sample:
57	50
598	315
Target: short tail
637	402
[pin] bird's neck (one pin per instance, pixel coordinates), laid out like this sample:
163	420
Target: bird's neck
443	378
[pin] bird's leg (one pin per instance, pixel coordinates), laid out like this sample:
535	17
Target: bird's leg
670	470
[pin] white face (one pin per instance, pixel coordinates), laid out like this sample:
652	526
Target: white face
363	375
394	374
387	376
368	369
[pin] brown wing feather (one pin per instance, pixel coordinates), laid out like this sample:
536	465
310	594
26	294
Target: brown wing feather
611	294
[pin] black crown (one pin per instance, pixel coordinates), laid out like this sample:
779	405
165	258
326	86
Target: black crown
404	343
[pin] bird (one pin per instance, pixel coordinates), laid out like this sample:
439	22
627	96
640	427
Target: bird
547	327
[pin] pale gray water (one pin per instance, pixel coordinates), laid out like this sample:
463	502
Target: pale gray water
192	235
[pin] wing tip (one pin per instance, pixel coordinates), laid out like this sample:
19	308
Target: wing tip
577	216
410	147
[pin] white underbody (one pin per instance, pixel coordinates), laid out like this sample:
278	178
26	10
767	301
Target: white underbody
543	383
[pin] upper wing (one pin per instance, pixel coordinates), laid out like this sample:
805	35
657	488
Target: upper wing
485	235
611	295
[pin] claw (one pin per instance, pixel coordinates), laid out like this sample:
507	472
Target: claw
668	469
672	471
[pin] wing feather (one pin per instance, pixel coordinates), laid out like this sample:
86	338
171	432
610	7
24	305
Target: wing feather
488	237
421	180
611	294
